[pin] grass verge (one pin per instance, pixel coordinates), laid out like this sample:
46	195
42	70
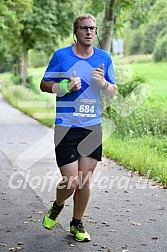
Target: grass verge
39	106
146	154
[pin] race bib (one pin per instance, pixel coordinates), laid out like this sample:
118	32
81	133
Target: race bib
85	108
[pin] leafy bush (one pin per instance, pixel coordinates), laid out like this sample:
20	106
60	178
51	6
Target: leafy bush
135	42
149	38
16	79
147	119
160	50
31	85
131	85
37	58
144	121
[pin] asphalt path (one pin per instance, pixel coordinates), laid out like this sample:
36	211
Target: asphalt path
126	212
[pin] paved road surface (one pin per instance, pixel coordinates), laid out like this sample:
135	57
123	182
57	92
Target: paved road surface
125	213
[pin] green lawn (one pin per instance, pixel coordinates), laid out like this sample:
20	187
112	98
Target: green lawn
156	77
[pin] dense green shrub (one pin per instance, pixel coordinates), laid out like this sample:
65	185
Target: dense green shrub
135	42
31	85
145	120
160	50
135	119
16	79
37	58
150	37
127	88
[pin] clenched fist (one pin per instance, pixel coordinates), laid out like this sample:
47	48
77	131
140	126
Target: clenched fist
98	76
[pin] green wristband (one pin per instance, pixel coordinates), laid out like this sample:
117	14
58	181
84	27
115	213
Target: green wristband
63	86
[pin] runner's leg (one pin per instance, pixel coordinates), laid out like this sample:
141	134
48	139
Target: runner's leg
82	193
69	183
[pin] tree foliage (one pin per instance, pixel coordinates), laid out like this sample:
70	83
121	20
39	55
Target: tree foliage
35	24
41	25
152	32
116	13
11	14
49	21
160	50
150	37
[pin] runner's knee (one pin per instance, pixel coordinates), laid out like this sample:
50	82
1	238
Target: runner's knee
73	183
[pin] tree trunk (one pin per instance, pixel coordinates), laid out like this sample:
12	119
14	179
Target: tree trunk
108	26
24	65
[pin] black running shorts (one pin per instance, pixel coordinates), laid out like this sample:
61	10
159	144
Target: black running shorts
70	143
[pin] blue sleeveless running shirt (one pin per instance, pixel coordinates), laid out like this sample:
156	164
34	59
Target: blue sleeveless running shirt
79	108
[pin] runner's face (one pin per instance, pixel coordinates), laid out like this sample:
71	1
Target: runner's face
85	32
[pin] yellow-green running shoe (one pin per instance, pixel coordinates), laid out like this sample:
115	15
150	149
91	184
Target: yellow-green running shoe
50	219
79	233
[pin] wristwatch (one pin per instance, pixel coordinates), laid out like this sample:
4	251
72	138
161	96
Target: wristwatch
105	86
